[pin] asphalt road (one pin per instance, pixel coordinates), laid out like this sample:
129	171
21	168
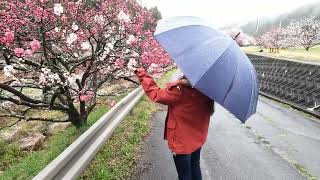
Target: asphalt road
278	142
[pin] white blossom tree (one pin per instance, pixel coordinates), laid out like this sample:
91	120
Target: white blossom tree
305	32
275	39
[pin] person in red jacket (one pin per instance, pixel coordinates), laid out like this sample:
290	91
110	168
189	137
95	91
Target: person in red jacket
187	121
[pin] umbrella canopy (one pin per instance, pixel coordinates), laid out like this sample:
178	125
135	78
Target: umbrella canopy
213	63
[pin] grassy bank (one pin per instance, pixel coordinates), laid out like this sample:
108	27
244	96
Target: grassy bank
25	165
301	54
116	159
34	162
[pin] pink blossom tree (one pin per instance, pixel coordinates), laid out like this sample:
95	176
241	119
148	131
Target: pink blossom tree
240	37
305	32
67	50
274	39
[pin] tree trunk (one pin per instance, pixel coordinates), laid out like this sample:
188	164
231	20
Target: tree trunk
45	95
77	119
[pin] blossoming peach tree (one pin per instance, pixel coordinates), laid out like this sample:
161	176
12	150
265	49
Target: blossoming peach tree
67	50
303	32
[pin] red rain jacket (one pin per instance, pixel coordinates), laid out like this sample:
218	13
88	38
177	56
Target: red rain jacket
188	117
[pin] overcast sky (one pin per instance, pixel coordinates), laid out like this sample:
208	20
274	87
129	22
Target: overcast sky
223	12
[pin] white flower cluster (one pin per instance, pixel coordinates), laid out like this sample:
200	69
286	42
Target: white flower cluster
105	70
152	68
57	29
74	26
135	54
122	73
8	70
108	48
132	64
58	9
123	17
72	78
85	46
79	2
99	19
48	78
126	51
131	39
107	35
71	38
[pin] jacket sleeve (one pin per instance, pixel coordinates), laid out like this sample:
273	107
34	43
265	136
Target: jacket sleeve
165	96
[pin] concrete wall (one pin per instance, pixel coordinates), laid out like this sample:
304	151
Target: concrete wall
294	83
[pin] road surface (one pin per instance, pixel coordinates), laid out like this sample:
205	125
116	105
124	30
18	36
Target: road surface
278	142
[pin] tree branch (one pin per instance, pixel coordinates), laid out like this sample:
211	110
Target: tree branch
130	80
43	119
40	105
19	94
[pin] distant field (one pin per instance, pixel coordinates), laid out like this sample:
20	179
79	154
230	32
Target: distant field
301	54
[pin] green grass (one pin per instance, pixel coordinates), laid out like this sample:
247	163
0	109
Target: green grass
34	162
301	54
8	154
116	159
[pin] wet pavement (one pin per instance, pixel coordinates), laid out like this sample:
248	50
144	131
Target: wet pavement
278	142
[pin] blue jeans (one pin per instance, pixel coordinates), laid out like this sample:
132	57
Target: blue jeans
188	165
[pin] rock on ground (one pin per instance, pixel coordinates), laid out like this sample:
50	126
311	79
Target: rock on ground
11	134
32	142
55	128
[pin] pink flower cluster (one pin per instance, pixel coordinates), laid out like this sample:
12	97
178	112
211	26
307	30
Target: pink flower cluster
113	103
119	63
8	38
87	96
34	45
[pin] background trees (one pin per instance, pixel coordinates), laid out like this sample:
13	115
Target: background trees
304	32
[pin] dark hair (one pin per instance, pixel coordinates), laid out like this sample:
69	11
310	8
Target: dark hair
184	77
187	80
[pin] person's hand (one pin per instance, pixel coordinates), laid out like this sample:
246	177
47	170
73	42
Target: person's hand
132	69
157	76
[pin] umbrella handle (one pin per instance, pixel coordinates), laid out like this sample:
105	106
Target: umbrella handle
235	37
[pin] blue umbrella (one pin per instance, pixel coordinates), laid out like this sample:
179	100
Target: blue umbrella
213	63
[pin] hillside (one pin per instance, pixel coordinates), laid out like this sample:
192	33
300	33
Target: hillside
267	23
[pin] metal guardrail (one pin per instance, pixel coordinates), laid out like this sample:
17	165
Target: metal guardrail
73	160
294	83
